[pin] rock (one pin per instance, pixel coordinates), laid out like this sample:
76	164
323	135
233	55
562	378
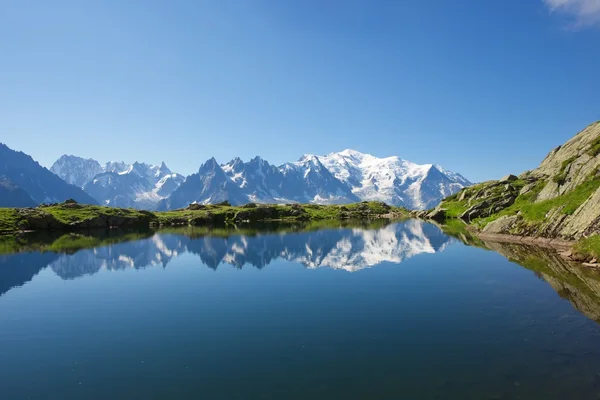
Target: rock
438	214
593	265
100	221
502	225
116	221
196	206
250	205
363	206
508	178
420	214
70	201
197	220
527	188
259	214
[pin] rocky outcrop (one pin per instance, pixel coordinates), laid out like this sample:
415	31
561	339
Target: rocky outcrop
559	199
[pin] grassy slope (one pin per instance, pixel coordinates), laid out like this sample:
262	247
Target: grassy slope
525	205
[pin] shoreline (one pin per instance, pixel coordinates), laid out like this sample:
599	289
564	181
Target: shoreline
555	243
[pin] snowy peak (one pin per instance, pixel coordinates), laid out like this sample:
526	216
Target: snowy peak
119	184
392	179
76	170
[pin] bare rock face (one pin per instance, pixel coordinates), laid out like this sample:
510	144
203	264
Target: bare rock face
571	164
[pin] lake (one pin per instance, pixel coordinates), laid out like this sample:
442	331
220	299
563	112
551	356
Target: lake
380	311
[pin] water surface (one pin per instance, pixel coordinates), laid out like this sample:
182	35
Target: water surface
387	312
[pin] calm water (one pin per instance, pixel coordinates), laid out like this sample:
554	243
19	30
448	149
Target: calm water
397	312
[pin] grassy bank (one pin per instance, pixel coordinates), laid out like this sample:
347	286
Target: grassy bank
588	248
70	216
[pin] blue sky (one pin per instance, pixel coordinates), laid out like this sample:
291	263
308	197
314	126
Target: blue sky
481	87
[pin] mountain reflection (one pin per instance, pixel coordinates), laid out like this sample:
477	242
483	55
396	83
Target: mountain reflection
349	249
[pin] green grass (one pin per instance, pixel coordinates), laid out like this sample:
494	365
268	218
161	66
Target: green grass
588	247
69	215
8	219
322	212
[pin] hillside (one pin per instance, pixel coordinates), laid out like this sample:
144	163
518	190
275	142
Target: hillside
560	199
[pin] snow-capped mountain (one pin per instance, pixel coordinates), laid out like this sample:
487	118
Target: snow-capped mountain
208	186
119	184
393	180
258	180
336	178
316	183
76	170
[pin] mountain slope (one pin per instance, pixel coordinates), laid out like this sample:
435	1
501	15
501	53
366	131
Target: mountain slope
13	196
559	199
309	181
208	186
41	185
118	184
258	180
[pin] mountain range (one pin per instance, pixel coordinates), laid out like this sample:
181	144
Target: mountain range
118	184
336	178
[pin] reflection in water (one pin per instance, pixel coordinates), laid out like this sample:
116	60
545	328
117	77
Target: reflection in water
574	282
349	249
578	284
462	324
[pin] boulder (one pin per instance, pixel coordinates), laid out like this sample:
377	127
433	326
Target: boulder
508	178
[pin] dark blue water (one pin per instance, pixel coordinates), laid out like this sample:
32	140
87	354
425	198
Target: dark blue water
400	312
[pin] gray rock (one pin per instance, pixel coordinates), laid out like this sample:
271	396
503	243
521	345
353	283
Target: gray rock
438	214
508	178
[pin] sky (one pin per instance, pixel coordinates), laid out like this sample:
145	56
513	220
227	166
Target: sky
483	88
